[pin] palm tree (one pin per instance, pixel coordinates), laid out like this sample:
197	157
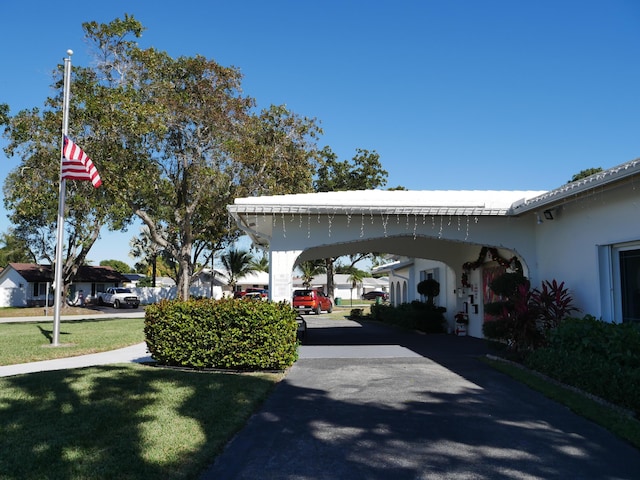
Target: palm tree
310	269
261	264
355	277
238	263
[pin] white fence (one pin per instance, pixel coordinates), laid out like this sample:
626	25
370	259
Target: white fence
148	295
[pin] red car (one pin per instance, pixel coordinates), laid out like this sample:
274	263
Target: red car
254	291
308	300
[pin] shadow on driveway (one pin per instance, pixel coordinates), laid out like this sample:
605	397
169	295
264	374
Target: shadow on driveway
431	410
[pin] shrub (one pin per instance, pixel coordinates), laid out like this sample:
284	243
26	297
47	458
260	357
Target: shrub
598	357
227	333
524	316
415	315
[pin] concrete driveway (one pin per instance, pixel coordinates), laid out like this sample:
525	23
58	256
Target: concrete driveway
370	402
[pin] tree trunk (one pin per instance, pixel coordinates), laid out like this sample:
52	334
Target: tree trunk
330	287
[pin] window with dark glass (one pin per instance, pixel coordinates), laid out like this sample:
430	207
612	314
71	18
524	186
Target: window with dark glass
630	285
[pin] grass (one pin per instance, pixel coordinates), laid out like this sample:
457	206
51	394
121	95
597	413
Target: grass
23	342
616	420
123	421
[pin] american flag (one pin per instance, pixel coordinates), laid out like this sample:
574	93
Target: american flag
76	165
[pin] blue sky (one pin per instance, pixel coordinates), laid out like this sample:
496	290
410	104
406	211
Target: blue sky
453	94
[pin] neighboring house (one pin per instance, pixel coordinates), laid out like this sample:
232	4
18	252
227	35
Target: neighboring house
585	233
343	288
29	284
253	280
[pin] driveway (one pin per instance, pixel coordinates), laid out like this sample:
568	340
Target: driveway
365	401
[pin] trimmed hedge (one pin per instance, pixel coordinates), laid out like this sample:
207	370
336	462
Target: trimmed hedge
415	316
598	357
228	333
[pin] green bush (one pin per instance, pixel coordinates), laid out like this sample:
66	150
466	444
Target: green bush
228	333
415	315
597	357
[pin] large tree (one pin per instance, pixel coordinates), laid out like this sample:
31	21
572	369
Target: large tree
364	171
175	142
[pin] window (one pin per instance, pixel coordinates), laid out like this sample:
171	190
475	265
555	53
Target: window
39	289
630	284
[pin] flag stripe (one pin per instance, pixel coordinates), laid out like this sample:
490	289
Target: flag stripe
76	165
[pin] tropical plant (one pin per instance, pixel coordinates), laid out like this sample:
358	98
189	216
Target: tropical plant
310	269
553	303
524	316
238	264
261	264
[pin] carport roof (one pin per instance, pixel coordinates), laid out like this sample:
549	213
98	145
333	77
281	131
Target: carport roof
375	202
414	202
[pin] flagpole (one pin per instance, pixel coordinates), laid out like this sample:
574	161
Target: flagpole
58	287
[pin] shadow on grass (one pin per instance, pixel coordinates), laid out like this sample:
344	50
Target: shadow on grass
120	421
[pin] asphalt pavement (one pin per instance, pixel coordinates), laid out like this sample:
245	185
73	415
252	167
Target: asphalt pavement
366	401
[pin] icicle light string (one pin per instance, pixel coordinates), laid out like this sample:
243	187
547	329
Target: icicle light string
385	221
330	220
284	227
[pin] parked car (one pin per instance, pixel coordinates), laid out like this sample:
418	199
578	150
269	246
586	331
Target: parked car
259	291
264	296
309	300
375	294
117	297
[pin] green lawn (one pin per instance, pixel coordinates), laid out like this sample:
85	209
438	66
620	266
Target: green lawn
29	342
122	421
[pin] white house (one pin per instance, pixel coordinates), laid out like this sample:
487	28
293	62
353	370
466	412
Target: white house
585	233
29	284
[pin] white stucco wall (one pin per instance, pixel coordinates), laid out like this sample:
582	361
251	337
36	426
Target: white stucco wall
568	246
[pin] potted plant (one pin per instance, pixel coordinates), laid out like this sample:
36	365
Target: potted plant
462	320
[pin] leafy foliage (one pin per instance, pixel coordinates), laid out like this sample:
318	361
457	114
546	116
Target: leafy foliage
598	357
238	263
227	333
525	316
363	172
117	265
585	173
414	315
429	288
175	142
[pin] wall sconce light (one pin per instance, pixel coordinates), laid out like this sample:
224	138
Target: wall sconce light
538	219
548	214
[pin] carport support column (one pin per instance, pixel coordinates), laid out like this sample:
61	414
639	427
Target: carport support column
281	274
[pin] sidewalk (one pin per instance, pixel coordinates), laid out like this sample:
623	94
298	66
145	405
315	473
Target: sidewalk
90	315
133	354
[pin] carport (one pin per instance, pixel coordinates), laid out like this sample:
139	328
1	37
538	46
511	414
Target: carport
446	226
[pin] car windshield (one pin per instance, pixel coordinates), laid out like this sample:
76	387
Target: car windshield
122	290
303	293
